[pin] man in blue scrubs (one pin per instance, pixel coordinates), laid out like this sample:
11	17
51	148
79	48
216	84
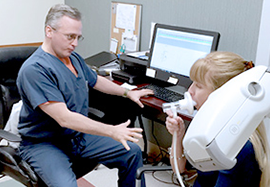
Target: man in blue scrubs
53	84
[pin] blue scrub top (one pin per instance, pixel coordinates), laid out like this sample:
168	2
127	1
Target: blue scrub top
42	78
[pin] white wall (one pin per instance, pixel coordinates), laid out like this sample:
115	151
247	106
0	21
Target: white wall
22	21
263	49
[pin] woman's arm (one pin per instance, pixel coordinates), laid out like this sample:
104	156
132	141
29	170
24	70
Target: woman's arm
181	160
176	124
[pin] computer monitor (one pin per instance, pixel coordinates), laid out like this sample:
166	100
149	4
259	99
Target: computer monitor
174	50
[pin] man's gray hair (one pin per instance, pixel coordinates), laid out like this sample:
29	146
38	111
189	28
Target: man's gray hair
58	11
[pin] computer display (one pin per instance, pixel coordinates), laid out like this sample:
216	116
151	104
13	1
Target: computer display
175	49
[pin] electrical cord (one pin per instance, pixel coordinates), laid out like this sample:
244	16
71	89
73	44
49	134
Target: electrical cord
175	161
174	175
185	104
165	182
188	104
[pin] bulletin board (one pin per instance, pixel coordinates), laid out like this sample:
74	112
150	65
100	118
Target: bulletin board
125	27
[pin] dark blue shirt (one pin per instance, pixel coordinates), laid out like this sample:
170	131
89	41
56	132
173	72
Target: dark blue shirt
245	173
43	78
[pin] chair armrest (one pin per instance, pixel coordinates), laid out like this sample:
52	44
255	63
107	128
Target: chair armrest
95	112
141	170
9	136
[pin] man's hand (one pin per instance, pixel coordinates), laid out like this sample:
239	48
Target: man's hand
123	134
135	95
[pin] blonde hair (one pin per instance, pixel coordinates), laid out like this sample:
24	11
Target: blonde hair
261	148
216	69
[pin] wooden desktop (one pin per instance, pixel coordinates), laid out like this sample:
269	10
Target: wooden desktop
153	106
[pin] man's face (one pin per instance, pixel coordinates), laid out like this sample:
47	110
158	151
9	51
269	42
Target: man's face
64	38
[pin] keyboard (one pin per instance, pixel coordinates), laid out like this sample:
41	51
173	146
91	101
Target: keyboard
164	93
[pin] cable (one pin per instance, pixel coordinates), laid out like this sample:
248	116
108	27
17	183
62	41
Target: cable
185	104
165	182
175	160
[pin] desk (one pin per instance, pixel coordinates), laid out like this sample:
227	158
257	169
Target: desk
152	110
153	107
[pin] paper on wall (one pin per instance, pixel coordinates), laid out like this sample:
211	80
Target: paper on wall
125	16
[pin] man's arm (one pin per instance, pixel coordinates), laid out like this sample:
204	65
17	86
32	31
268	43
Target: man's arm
72	120
107	86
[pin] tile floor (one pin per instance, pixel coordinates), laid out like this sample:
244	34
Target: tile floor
104	177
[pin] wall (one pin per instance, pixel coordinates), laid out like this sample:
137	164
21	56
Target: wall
23	21
263	49
237	21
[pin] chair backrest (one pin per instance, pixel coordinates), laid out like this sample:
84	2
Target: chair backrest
11	164
11	60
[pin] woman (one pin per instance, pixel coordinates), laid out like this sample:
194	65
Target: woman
252	167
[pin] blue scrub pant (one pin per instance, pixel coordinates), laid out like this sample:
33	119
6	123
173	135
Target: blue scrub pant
52	160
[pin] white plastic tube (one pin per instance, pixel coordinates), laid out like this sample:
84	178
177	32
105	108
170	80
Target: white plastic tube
185	104
175	161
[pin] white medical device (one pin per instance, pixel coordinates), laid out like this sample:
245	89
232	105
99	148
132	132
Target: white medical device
177	107
226	120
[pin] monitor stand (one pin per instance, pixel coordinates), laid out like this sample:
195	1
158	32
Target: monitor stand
177	88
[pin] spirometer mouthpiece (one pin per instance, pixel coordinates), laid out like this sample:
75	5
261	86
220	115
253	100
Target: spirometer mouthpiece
185	104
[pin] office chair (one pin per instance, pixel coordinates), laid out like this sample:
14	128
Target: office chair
11	164
142	170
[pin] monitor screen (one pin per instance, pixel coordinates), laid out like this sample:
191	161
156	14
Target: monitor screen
175	49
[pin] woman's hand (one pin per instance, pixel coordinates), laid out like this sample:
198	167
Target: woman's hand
175	124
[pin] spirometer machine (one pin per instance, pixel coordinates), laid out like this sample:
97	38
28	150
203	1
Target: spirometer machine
227	119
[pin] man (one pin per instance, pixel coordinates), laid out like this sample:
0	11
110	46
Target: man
53	84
